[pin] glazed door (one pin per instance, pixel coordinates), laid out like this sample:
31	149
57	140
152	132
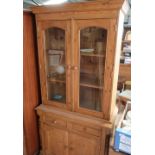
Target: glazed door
82	145
54	60
55	141
93	65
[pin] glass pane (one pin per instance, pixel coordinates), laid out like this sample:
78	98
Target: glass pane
92	60
55	64
90	98
56	91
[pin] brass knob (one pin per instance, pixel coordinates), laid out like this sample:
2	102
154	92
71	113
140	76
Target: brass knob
69	67
54	121
75	67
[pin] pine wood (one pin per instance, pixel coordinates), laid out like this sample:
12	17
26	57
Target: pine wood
82	145
65	25
55	141
77	15
125	71
78	25
76	130
116	62
87	6
67	130
31	86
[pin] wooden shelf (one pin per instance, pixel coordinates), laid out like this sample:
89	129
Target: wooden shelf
128	65
88	80
56	80
91	86
63	100
92	55
126	41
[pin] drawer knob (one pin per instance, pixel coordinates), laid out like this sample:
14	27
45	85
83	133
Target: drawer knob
54	121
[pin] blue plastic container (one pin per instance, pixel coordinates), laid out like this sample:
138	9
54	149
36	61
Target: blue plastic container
122	141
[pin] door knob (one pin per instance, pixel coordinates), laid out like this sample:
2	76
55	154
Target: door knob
74	67
54	121
68	66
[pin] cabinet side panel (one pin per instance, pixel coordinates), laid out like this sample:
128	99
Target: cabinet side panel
117	60
30	84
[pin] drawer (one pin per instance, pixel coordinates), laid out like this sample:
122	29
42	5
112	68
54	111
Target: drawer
55	121
86	129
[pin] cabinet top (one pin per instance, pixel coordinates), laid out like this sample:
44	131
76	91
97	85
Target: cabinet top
84	6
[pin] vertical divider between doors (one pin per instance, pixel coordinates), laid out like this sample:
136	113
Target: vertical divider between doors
72	62
76	63
68	63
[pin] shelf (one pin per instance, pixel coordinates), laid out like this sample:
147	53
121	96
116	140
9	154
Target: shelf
88	80
92	55
90	86
56	80
126	41
63	100
126	65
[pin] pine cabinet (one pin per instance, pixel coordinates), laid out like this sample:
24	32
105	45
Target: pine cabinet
61	142
79	51
69	133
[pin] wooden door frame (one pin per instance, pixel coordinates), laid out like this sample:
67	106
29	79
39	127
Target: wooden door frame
41	27
101	23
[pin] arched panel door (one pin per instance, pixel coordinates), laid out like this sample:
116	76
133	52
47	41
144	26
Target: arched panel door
55	56
91	61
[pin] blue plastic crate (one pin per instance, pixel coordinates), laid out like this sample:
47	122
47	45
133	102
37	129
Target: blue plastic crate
122	141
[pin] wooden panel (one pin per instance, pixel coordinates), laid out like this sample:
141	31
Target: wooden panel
85	134
24	146
77	15
125	71
80	145
31	85
86	129
41	27
55	141
116	60
109	69
44	110
110	26
94	5
55	121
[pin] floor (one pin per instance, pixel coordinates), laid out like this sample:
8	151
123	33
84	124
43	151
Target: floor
112	152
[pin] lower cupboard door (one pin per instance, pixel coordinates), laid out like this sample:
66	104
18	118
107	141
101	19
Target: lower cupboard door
81	145
55	141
